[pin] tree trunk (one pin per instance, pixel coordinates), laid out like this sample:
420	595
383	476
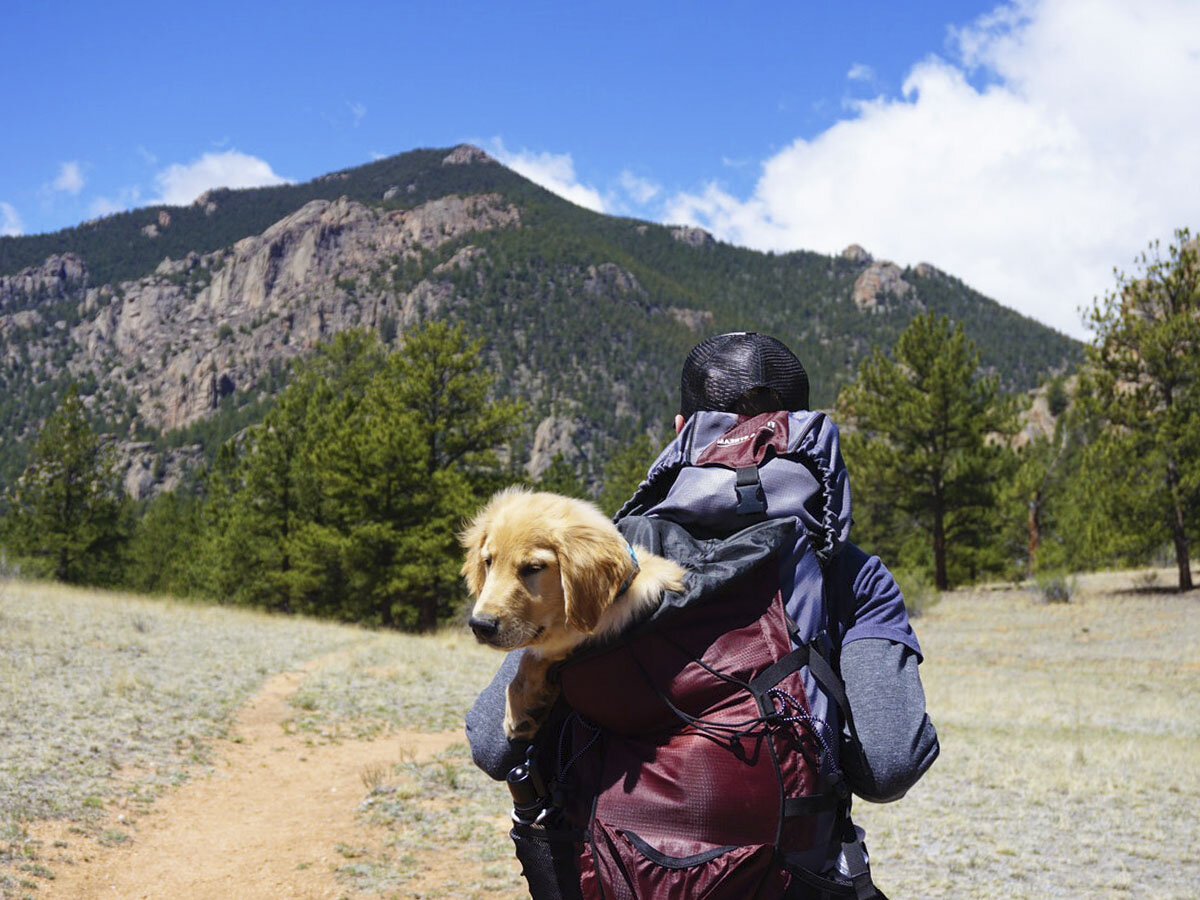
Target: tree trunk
427	619
1181	549
1035	531
1178	531
939	545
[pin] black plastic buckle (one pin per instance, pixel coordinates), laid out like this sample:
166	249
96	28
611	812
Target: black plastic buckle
858	870
749	492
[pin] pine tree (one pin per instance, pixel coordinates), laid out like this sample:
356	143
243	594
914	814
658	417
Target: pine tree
162	548
1142	382
625	470
560	477
917	447
418	454
346	501
68	508
438	375
263	493
1037	499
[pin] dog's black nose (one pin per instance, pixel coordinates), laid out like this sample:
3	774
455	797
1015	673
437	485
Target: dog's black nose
484	626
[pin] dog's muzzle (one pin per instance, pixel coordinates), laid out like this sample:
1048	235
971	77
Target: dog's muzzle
485	628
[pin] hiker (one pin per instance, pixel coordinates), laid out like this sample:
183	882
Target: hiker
662	770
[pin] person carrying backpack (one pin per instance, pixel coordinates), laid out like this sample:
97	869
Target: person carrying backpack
713	751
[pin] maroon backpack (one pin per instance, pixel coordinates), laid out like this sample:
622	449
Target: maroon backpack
695	769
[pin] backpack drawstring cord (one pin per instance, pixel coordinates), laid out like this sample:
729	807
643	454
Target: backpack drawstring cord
815	725
574	718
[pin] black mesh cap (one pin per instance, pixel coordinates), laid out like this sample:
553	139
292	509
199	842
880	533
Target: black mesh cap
721	369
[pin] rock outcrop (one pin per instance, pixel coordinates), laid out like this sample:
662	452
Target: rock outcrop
692	236
26	319
880	282
207	201
556	435
857	255
56	278
145	473
201	327
465	155
609	278
696	320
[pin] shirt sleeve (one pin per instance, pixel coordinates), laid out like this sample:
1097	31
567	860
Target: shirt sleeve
875	605
896	737
879	654
491	750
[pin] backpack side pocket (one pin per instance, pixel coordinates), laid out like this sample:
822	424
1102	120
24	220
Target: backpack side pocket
549	860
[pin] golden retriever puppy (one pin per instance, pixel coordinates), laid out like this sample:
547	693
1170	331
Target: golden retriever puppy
548	573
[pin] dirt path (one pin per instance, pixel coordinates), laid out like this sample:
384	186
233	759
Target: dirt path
265	824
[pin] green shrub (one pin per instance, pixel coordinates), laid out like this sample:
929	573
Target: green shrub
1055	587
1145	582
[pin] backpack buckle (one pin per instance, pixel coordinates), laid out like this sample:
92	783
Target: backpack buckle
853	864
749	492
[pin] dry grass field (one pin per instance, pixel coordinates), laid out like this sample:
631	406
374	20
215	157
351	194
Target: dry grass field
1070	735
1070	763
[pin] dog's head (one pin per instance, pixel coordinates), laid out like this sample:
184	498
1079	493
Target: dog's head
543	569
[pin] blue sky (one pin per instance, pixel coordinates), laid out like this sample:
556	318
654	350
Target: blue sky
976	136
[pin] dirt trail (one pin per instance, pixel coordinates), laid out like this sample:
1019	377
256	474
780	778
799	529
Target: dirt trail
264	825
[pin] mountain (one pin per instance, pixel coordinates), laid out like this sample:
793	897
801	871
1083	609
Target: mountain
179	323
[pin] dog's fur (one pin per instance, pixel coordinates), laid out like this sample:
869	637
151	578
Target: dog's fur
548	571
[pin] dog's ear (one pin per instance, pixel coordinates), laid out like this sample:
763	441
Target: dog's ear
473	569
594	563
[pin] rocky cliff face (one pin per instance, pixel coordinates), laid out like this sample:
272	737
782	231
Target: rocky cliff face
57	277
171	345
692	236
145	472
881	282
202	327
557	435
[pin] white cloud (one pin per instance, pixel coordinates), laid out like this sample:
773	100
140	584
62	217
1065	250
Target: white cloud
10	221
861	72
553	171
125	198
70	178
358	110
640	190
103	206
180	184
1076	151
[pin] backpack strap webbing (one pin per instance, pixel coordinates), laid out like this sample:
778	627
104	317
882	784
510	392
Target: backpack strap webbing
779	670
811	805
806	655
858	870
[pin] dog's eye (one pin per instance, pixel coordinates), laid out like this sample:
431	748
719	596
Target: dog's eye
531	568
